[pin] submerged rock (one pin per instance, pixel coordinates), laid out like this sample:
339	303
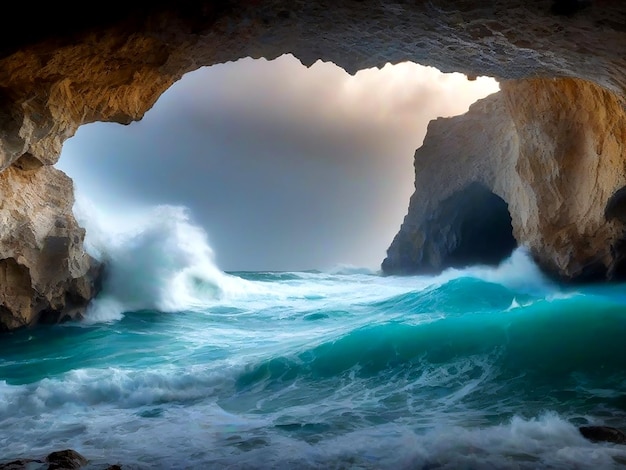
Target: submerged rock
66	459
603	434
22	464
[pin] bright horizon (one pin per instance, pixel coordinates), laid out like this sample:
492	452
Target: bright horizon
285	168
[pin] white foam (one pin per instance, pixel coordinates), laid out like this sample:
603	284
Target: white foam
156	259
347	269
159	417
518	272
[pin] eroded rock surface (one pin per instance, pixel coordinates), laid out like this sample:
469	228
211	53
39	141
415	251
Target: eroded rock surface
67	459
110	62
45	274
554	150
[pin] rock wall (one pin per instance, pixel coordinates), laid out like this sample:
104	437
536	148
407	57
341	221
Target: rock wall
45	275
69	65
554	150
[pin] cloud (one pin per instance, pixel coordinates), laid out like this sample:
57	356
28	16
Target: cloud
286	167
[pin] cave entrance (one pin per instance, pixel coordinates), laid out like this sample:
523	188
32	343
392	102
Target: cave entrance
480	227
615	211
287	167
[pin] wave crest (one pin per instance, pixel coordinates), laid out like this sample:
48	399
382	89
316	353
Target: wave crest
159	260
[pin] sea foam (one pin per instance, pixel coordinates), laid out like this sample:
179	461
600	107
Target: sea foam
154	260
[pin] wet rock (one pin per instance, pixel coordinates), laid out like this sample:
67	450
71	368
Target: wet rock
551	184
65	460
21	464
603	434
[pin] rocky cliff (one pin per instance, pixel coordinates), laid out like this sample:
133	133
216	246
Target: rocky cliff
547	158
45	275
554	165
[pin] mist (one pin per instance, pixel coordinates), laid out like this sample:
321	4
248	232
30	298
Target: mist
285	167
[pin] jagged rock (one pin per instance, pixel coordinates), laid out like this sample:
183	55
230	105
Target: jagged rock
45	274
67	459
563	159
22	464
554	150
603	434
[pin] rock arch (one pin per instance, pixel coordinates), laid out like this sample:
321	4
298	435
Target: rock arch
557	126
471	226
554	149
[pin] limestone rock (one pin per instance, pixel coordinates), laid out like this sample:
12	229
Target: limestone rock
556	126
554	150
45	274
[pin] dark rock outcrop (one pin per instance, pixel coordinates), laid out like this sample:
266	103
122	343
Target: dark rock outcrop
22	464
67	459
603	434
470	226
554	150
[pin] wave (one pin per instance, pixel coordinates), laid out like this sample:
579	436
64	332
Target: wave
347	269
518	272
570	349
159	260
206	435
154	260
121	388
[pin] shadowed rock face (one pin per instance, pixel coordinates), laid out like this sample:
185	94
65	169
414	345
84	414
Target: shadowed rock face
471	226
45	275
555	151
558	140
603	434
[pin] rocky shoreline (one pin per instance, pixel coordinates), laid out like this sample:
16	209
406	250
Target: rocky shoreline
66	459
69	459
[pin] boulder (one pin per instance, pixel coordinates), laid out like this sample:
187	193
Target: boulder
603	434
67	459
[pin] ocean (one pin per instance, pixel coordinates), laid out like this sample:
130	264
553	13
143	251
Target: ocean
179	365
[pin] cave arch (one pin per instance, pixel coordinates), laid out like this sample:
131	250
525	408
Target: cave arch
112	63
471	226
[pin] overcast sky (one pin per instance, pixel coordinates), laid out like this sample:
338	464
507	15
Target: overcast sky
286	168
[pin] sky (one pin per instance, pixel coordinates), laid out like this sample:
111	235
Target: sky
285	167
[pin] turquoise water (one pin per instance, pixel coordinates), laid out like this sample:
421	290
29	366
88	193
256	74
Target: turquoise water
471	369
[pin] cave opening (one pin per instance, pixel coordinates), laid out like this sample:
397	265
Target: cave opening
480	227
615	211
287	167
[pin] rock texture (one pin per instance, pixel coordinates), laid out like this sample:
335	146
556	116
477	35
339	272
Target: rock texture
67	459
554	150
603	434
45	275
110	62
